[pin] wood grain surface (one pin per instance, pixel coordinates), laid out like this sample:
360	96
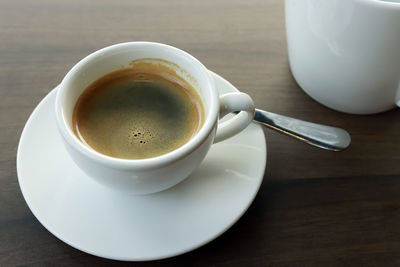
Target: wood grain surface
315	208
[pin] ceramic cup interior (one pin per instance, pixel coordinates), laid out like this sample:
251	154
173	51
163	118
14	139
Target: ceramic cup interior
120	56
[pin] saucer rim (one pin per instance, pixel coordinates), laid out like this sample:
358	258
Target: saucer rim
251	198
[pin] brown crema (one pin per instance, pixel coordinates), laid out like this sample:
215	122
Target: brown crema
139	112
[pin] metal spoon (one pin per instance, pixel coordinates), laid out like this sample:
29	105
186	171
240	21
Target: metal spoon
326	137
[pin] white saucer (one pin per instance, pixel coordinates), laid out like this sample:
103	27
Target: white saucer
106	223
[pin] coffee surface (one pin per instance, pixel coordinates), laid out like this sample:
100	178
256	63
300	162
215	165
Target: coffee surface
137	113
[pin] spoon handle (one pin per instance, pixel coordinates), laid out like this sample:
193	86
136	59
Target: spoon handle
326	137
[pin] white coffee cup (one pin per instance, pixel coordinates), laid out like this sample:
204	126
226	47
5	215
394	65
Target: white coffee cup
153	174
345	54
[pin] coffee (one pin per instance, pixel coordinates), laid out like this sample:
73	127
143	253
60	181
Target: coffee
139	112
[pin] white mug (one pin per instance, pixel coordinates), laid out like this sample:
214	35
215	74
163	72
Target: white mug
158	173
345	54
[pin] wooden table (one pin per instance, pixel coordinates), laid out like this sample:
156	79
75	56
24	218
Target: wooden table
314	207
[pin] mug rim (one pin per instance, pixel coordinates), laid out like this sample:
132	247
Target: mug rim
382	3
146	163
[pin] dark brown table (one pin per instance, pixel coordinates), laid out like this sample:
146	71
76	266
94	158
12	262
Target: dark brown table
314	207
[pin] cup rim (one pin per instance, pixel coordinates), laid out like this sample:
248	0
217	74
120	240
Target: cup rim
164	159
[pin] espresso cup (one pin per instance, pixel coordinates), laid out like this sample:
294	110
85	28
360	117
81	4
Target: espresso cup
144	176
345	54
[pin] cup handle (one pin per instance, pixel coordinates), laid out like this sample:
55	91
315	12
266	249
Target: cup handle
234	102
